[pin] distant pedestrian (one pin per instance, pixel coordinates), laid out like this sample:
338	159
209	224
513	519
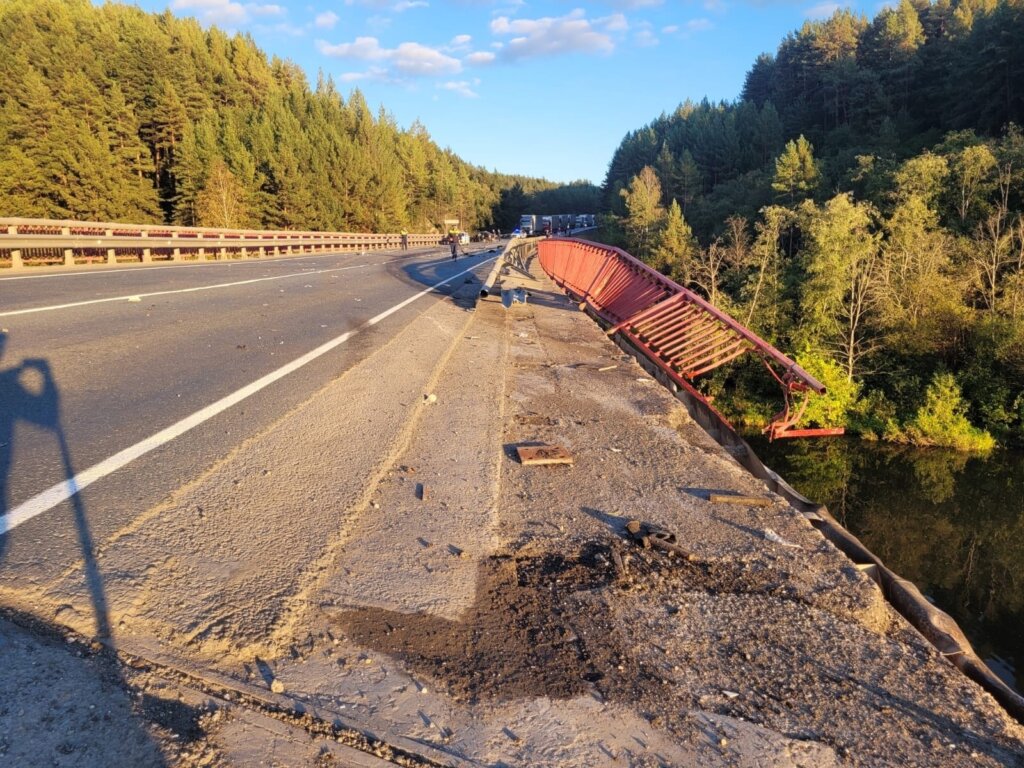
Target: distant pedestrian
405	240
453	241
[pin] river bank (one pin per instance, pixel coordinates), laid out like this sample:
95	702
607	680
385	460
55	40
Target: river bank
950	522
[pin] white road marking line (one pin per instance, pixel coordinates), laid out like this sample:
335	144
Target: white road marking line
129	297
63	491
88	272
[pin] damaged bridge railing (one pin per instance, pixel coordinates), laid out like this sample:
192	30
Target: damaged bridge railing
680	332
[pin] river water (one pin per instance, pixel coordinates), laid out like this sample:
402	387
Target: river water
951	523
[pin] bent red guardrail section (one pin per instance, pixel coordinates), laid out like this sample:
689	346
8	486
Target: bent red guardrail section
684	335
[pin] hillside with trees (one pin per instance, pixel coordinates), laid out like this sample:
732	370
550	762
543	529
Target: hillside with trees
110	113
861	205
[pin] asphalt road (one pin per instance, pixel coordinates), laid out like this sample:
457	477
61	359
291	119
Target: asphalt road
95	363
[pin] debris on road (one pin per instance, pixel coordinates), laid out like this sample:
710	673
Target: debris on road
543	454
607	368
774	537
647	536
431	398
421	491
750	501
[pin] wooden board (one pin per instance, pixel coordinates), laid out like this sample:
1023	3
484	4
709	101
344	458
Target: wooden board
543	454
749	501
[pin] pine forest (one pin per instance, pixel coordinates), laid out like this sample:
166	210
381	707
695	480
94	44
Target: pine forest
113	114
862	206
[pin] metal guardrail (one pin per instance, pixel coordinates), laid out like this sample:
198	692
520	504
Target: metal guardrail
516	255
47	241
683	334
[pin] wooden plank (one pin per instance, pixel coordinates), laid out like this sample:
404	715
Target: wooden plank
543	454
750	501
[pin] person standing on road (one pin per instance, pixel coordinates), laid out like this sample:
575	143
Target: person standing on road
453	241
405	240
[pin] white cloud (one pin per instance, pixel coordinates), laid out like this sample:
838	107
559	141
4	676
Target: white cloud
551	36
214	11
699	25
822	10
480	57
423	61
285	28
410	59
614	23
671	29
373	73
645	38
715	6
326	20
405	5
264	10
461	87
227	12
363	48
461	40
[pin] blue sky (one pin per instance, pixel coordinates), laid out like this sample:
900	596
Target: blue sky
539	88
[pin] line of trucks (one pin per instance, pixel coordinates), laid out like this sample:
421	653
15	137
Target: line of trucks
549	224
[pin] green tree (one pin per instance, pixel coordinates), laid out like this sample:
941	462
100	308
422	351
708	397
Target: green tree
222	201
839	294
644	211
676	250
796	172
942	419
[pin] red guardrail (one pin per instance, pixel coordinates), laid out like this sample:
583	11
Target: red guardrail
683	334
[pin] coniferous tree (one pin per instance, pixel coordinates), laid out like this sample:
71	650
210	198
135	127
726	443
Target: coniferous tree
796	172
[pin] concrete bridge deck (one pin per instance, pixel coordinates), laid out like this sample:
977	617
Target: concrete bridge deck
370	575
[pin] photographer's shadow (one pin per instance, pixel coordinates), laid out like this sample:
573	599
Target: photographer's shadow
29	394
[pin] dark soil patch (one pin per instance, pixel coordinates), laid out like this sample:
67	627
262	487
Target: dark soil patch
540	627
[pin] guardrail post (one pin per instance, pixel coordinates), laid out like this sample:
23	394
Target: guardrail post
222	252
16	262
147	254
176	251
245	252
69	255
111	254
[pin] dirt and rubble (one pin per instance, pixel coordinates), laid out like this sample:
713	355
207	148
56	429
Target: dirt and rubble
463	608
